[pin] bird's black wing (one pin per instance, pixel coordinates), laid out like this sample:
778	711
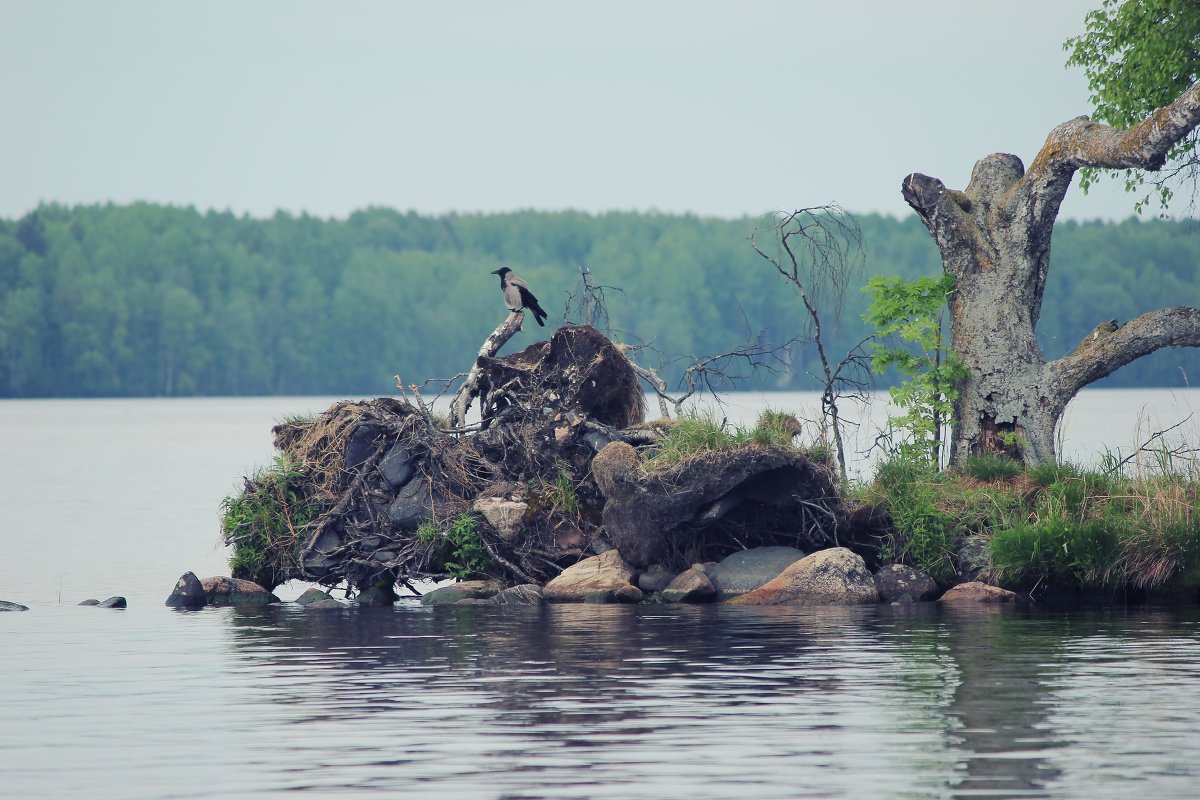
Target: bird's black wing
531	302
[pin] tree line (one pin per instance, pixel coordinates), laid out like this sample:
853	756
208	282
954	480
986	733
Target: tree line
152	300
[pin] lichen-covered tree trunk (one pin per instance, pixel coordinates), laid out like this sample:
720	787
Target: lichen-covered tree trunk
994	237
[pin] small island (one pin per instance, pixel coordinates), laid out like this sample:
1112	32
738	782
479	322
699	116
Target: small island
563	492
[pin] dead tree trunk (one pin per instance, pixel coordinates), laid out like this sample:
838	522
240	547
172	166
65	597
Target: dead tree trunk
994	238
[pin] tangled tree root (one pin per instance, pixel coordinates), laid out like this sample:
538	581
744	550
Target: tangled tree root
392	497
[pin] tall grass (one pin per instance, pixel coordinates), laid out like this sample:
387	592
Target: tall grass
702	432
1055	524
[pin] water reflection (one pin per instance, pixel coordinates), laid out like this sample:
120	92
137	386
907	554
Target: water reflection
1005	663
840	700
601	702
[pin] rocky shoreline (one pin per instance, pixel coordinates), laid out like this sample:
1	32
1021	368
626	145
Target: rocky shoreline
757	577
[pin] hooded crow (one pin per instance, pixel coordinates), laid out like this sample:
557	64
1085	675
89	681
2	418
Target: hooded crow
517	294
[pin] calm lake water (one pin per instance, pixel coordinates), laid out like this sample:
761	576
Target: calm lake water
120	497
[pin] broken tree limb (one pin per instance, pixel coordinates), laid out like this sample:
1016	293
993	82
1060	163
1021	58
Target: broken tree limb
491	345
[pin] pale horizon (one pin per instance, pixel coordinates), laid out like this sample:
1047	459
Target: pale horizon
712	109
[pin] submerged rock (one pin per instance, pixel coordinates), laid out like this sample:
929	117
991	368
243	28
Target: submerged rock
311	596
527	594
978	592
463	590
90	602
604	578
835	576
655	579
324	603
382	594
8	605
222	591
188	592
897	580
113	602
747	570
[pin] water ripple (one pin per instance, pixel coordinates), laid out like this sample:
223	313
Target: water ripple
600	702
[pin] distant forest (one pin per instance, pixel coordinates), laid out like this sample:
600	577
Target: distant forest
150	300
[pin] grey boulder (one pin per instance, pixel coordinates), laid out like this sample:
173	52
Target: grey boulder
188	592
747	570
897	580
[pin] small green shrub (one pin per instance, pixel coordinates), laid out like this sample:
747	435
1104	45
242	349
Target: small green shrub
264	522
460	549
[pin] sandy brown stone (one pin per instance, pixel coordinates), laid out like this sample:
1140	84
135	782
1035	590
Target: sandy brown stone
222	591
977	592
606	572
690	586
506	516
835	576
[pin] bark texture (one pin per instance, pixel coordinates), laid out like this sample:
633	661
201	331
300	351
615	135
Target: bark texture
994	237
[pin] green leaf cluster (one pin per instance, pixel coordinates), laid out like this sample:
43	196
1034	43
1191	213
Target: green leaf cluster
459	548
907	317
1138	57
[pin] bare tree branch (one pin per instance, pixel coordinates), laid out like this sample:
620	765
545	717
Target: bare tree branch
819	250
1108	349
1081	143
491	345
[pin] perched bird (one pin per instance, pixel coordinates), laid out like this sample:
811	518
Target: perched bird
517	294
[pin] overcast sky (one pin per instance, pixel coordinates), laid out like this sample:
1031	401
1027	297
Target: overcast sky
716	108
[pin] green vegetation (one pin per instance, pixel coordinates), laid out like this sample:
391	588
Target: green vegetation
264	522
559	494
459	547
700	431
912	312
1139	57
146	300
1053	525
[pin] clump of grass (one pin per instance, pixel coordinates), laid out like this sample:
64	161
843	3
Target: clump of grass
701	432
691	435
264	522
1098	530
1049	472
776	428
992	468
923	536
458	546
559	494
297	420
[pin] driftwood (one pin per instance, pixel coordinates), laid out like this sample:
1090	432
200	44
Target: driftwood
491	345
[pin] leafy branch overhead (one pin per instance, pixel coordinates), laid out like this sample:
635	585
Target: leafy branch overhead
1139	57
